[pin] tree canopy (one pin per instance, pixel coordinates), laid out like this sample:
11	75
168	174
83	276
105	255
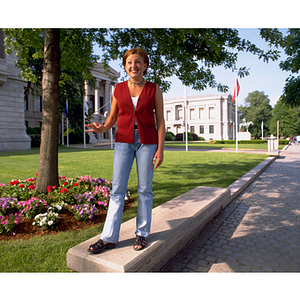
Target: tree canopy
257	109
291	45
289	121
188	54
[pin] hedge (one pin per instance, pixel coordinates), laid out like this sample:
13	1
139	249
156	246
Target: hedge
281	142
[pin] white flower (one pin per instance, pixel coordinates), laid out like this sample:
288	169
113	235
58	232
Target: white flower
33	223
50	223
58	207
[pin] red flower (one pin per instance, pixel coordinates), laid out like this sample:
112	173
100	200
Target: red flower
64	190
31	187
21	185
65	183
54	186
76	184
49	188
31	179
14	182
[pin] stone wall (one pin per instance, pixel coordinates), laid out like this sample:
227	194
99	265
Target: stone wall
12	124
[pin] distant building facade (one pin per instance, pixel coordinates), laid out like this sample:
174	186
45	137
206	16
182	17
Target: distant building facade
209	116
12	124
99	100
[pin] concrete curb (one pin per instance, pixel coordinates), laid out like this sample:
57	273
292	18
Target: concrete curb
174	224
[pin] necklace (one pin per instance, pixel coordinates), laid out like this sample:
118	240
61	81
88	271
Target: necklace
137	83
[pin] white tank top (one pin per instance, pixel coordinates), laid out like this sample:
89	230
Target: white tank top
134	101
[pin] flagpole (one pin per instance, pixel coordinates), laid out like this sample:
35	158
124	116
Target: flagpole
277	134
62	129
84	139
236	114
67	123
186	120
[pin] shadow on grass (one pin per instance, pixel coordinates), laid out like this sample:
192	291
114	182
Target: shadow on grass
61	149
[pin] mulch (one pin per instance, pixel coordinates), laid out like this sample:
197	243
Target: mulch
67	222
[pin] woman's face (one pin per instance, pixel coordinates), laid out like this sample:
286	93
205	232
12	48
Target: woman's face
135	66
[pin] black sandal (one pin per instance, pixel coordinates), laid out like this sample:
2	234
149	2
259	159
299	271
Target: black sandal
139	241
99	246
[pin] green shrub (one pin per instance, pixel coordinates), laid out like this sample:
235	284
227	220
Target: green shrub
169	136
242	142
191	136
30	130
76	136
35	140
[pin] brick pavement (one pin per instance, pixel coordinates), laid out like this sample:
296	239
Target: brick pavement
259	231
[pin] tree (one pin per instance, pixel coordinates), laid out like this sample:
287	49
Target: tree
256	110
290	44
75	48
289	121
48	164
187	53
291	91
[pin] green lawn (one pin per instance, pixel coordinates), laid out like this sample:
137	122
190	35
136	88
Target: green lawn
206	145
180	172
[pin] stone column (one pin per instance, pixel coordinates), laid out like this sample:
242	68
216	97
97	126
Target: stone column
106	93
96	97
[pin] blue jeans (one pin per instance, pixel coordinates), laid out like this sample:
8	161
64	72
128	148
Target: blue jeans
123	159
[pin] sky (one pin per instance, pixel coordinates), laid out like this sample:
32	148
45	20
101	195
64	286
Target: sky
264	77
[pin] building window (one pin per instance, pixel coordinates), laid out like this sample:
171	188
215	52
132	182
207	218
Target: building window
192	129
101	102
26	102
179	113
211	112
2	53
38	103
211	129
192	114
92	103
201	129
169	115
201	113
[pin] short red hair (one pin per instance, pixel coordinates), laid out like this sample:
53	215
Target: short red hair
140	52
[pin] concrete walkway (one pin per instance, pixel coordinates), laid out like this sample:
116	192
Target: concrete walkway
258	232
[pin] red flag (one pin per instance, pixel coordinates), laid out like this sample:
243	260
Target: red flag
236	90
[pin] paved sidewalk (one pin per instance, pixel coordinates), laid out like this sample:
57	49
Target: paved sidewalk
258	232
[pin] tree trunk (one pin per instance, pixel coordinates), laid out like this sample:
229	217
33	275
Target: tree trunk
48	164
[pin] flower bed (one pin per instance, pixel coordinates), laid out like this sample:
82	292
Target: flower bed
84	197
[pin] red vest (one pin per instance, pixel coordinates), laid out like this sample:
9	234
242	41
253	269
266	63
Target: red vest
144	114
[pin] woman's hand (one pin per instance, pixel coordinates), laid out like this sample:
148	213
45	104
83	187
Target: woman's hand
96	127
158	159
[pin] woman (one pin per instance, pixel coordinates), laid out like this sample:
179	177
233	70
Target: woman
138	106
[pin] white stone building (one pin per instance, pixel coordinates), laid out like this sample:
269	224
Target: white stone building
12	124
99	99
209	116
